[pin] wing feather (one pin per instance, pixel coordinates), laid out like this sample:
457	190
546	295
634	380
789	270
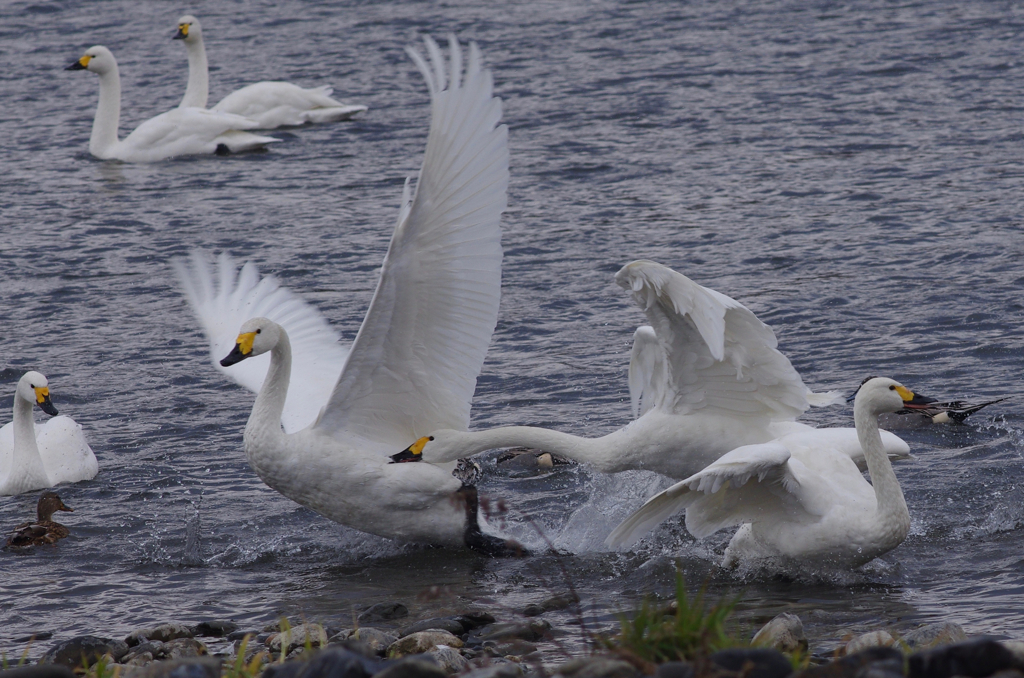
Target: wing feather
222	301
414	363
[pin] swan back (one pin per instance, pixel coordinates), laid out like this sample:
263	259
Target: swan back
414	363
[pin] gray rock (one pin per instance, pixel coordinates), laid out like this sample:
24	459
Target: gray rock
553	603
933	635
301	635
503	670
143	658
162	633
422	641
514	647
383	612
871	639
474	619
674	670
784	633
152	648
181	648
1016	647
83	650
873	660
412	668
288	669
974	659
340	663
597	667
37	671
531	630
449	659
450	625
365	640
216	629
197	667
753	663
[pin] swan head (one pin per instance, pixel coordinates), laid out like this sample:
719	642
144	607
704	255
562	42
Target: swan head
189	29
256	337
412	453
49	503
440	446
878	395
97	59
34	388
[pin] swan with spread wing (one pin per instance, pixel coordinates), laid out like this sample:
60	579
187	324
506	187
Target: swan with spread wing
413	365
705	378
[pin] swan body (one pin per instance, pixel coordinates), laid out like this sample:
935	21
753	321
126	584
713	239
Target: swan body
270	104
44	530
705	378
33	458
413	365
795	501
178	132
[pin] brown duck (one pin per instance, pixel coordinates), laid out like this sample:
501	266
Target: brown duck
43	530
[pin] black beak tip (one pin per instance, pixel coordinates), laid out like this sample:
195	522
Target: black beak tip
178	36
77	66
404	457
236	356
47	406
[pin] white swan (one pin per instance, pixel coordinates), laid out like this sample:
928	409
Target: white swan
271	104
801	502
414	362
707	378
34	458
180	131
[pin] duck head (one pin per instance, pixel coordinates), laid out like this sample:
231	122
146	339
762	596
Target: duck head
49	503
257	336
189	29
97	59
34	388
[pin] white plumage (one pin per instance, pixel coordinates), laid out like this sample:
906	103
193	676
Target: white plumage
36	457
705	377
270	104
178	132
414	362
807	502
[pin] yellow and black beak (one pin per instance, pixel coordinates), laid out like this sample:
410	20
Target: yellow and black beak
43	400
182	32
905	393
241	351
412	453
80	65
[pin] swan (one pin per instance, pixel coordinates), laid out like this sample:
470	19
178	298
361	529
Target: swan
34	458
181	131
798	502
44	530
271	104
414	362
705	379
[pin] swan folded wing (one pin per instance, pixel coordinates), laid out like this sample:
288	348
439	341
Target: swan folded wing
414	363
65	452
273	104
181	131
648	377
224	301
745	485
720	357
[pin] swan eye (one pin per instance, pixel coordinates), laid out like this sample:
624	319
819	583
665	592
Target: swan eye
430	437
892	388
258	331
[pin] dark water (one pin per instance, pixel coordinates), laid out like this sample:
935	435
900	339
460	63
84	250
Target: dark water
851	172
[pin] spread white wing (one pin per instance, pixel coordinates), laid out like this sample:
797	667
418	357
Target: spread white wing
414	363
749	483
224	301
712	353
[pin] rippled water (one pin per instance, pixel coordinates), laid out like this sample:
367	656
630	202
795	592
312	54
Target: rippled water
853	173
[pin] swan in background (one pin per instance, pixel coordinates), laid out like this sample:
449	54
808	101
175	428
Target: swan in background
413	365
705	378
271	104
44	530
181	131
34	458
806	503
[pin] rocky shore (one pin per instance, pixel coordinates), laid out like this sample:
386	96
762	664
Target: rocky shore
475	644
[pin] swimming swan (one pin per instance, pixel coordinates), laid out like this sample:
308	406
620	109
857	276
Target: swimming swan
802	502
414	362
705	379
180	131
33	458
271	104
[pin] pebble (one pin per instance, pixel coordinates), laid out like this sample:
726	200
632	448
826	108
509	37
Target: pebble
40	671
412	668
449	659
764	663
559	602
933	635
296	637
422	641
875	660
162	633
515	647
450	625
505	670
532	630
977	658
474	619
597	667
198	667
88	649
872	639
383	612
375	641
784	633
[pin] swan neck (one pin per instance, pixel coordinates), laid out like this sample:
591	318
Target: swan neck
108	115
888	493
26	470
198	89
265	420
597	451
